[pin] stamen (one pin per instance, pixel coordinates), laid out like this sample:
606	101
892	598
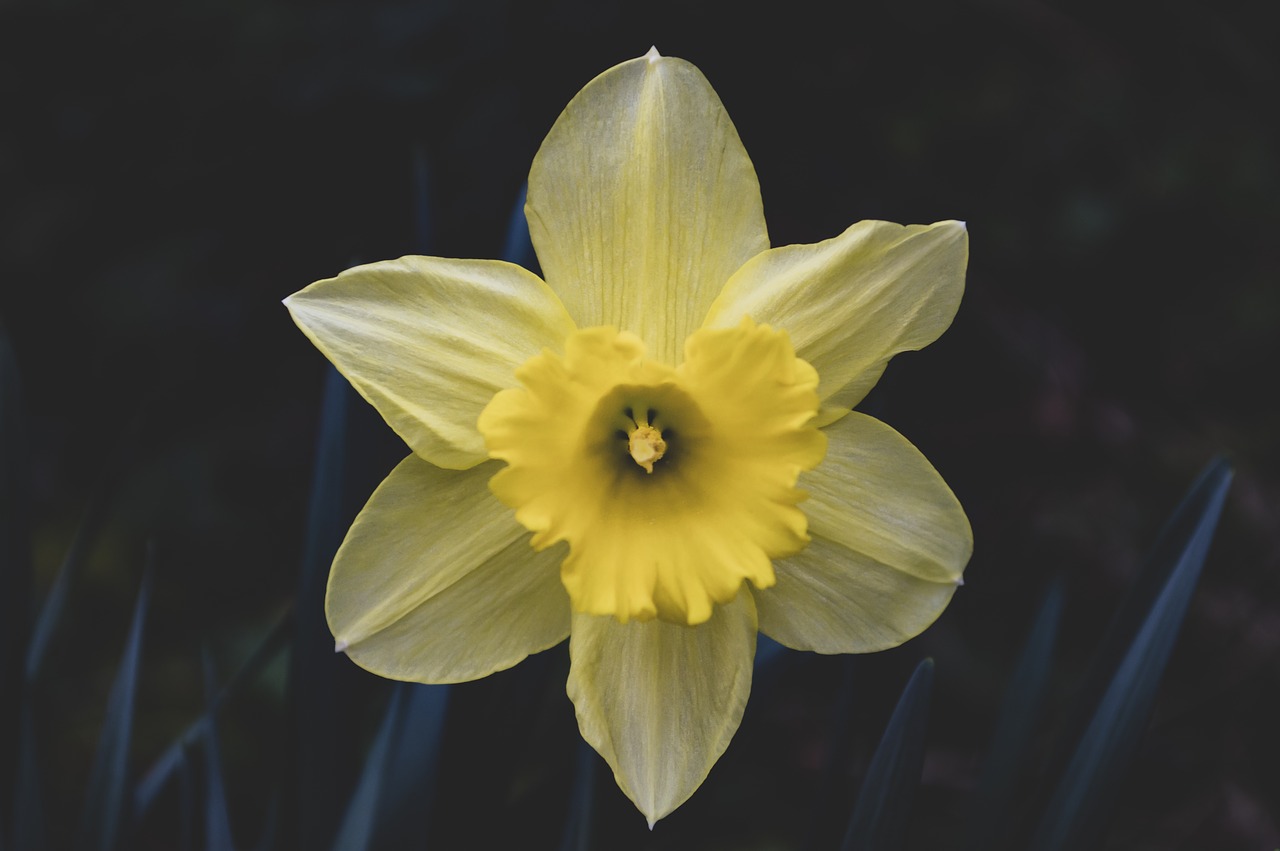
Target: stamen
646	446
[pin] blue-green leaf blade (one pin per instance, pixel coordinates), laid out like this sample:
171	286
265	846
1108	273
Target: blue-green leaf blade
217	821
882	814
311	798
104	808
577	833
360	822
1015	727
1131	664
518	246
411	771
166	766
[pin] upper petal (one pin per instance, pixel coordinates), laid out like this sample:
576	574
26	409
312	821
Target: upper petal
852	302
429	341
889	544
661	701
437	583
642	202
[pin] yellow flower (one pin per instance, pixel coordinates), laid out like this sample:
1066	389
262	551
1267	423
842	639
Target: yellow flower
652	452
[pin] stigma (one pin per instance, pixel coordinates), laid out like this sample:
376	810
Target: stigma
646	446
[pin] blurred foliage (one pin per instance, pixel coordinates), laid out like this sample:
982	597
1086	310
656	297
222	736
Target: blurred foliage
170	171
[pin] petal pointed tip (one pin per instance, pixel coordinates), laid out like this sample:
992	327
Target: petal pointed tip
340	646
651	821
653	56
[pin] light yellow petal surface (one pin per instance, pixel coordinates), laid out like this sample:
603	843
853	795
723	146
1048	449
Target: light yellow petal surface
852	302
831	599
428	341
889	544
661	701
437	583
642	202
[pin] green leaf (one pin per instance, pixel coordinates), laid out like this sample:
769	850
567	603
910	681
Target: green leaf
167	765
1019	714
187	803
412	769
311	797
104	808
577	833
217	821
392	799
883	811
1129	666
518	247
360	822
73	562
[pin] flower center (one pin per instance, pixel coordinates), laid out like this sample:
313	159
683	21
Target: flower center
646	446
672	486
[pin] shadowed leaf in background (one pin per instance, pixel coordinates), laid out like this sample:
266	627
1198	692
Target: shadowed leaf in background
103	821
992	808
217	821
174	757
360	822
577	828
22	654
392	800
311	794
882	814
518	247
1131	660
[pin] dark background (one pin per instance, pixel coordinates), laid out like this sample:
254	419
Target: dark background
169	172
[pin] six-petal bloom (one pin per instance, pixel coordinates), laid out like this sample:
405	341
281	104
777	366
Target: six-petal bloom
652	452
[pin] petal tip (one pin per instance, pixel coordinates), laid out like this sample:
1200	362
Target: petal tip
653	55
340	646
651	821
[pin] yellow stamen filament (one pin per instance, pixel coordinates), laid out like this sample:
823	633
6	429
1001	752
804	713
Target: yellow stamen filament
646	446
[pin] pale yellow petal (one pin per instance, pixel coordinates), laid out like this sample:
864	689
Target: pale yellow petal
661	701
428	341
831	599
852	302
437	583
876	494
642	202
889	544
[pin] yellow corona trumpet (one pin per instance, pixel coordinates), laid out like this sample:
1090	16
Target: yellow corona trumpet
652	451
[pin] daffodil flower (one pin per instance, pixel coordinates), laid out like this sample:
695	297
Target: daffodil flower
652	451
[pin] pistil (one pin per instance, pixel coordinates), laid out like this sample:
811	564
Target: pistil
646	446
